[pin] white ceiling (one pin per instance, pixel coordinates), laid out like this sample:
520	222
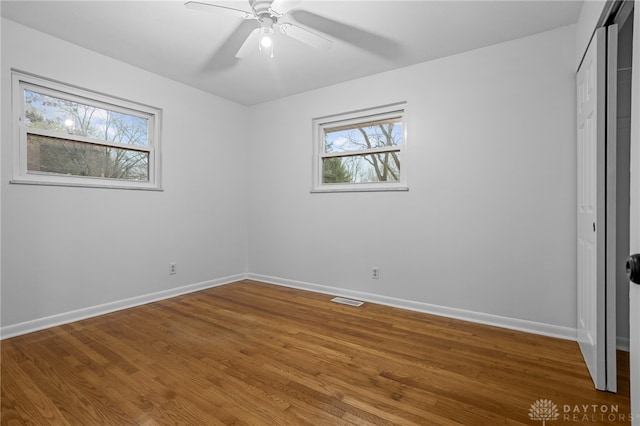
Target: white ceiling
198	48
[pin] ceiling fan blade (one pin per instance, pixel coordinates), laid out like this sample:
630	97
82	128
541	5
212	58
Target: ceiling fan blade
249	45
305	36
215	8
363	39
283	6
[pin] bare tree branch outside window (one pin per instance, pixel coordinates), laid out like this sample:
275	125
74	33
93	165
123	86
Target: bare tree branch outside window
363	152
85	156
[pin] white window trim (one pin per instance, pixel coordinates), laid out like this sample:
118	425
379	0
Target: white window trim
369	114
22	81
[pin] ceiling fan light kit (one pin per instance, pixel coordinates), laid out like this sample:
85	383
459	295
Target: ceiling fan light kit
265	43
267	13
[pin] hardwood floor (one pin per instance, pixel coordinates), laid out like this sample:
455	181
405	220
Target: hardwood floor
249	353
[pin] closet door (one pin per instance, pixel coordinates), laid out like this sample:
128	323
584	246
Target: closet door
591	108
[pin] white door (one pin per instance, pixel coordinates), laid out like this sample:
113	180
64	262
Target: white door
591	81
634	223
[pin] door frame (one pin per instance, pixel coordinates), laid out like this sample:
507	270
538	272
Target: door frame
634	225
599	346
611	206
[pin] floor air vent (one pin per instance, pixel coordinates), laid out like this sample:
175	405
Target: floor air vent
347	301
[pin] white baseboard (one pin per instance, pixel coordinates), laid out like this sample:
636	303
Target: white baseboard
93	311
622	343
560	332
462	314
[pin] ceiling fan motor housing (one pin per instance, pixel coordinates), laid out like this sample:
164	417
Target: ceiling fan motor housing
262	8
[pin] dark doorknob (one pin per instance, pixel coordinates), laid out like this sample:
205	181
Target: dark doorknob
633	268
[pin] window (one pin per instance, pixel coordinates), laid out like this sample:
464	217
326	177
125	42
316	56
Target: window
69	136
360	151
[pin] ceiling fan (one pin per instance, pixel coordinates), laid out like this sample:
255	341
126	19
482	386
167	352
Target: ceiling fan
268	14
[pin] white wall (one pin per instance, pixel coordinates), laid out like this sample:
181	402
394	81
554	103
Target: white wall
488	225
69	249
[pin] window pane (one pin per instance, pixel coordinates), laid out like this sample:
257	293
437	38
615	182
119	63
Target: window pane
62	156
69	117
364	136
380	167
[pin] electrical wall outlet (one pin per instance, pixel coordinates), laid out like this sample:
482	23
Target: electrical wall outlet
173	269
375	273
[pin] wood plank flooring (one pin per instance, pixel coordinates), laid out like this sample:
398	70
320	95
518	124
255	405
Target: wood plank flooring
250	353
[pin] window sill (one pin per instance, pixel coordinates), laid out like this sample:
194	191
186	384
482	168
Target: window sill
356	189
85	185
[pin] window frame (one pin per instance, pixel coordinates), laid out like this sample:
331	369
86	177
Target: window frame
22	81
379	113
